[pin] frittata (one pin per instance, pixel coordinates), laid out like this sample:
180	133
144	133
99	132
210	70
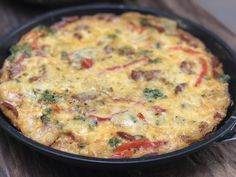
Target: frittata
113	86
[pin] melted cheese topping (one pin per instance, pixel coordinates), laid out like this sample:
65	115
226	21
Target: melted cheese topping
113	86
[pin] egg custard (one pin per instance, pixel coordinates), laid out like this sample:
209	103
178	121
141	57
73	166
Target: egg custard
113	86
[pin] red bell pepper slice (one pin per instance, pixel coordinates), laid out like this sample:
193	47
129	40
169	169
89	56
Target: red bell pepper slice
114	68
158	110
136	144
86	63
133	144
153	144
56	109
139	143
33	36
204	70
122	154
34	45
100	119
141	116
135	28
185	49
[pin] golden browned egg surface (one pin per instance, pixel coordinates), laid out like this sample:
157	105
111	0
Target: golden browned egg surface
113	86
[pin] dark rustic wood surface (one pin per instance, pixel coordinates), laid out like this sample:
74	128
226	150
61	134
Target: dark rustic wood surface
17	160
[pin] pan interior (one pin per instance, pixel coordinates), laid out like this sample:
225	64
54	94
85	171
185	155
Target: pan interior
215	45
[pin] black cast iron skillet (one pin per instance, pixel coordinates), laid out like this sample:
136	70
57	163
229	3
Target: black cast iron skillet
223	132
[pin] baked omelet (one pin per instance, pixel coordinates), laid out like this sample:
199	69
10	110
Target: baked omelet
113	86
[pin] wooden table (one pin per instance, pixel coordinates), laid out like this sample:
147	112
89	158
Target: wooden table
17	160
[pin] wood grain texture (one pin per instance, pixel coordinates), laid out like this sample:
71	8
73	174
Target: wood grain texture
17	160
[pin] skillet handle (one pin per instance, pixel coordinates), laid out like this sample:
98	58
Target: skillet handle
231	135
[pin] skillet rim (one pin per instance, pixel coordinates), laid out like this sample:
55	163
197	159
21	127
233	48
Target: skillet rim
223	130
